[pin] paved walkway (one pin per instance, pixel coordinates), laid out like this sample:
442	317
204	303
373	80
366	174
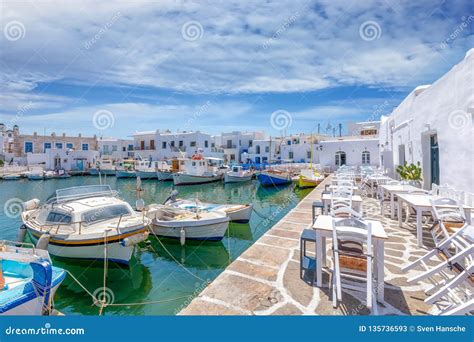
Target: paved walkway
265	279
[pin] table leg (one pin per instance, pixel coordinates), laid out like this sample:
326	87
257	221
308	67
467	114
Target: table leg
323	246
467	213
326	207
392	206
382	209
319	258
380	271
400	216
419	226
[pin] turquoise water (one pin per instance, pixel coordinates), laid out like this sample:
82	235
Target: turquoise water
159	270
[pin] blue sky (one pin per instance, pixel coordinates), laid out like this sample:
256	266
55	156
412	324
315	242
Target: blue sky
220	65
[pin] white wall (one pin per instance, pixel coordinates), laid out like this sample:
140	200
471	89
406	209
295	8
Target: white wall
446	109
69	161
353	149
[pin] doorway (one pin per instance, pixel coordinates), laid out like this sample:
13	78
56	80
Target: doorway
434	157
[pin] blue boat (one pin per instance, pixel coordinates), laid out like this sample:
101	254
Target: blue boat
273	178
29	280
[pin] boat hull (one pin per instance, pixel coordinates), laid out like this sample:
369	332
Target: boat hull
266	179
96	172
147	174
90	248
236	179
185	179
164	175
235	212
32	307
11	177
308	183
125	174
34	177
206	231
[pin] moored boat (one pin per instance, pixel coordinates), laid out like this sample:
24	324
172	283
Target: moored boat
82	222
196	171
11	176
28	280
36	173
238	213
146	169
237	175
273	178
185	225
309	178
126	169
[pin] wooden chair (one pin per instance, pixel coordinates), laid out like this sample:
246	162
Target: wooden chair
452	279
447	219
353	259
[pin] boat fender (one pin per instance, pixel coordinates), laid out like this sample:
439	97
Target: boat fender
43	241
31	204
21	233
182	236
134	239
140	204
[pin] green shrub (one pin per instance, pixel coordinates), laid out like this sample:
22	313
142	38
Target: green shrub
410	171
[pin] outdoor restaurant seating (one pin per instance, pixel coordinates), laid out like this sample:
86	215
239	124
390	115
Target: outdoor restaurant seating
357	242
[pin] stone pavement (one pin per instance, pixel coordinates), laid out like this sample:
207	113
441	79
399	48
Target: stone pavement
265	279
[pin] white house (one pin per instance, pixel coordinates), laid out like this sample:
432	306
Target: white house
434	126
158	145
235	143
115	148
297	148
263	151
359	148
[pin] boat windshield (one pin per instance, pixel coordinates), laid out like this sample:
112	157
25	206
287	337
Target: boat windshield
105	213
82	191
235	169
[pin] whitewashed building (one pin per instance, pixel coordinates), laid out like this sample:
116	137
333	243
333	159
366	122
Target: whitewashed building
361	148
156	145
434	126
297	148
233	144
115	148
263	151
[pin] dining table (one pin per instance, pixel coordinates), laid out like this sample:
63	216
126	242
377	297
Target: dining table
393	190
421	203
323	226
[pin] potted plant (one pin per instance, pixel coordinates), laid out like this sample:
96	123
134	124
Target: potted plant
411	173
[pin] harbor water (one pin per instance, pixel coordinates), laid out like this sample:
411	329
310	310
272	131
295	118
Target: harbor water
160	271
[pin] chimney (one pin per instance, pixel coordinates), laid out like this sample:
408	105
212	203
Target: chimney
35	134
64	135
80	135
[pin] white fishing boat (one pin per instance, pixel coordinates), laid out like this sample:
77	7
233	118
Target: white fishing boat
237	175
103	167
28	280
85	222
126	169
238	213
11	176
165	170
185	225
36	173
146	169
61	173
197	170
